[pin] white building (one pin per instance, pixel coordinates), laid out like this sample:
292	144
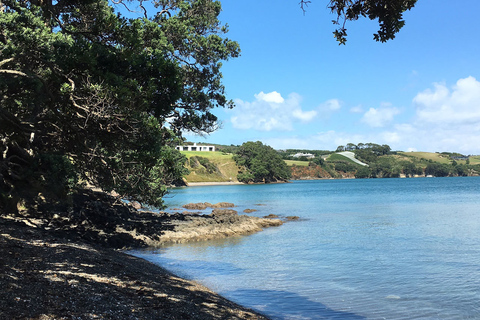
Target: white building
306	155
195	148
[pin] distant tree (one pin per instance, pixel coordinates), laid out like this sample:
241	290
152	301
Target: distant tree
366	155
437	169
363	173
409	169
389	14
260	163
461	170
350	147
345	166
318	161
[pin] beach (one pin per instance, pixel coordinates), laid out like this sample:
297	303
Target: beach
48	272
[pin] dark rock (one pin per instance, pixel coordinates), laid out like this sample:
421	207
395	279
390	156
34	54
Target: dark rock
196	206
220	212
223	205
271	216
249	210
292	218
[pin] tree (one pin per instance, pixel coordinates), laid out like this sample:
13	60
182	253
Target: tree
363	173
88	95
260	163
437	169
389	14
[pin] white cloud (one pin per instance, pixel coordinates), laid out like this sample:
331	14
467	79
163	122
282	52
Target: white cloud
459	106
273	96
270	111
380	117
442	118
328	140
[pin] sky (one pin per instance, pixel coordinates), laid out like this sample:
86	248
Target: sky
295	88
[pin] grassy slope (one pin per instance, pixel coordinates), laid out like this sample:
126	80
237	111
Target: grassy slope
224	163
298	163
339	157
441	158
474	160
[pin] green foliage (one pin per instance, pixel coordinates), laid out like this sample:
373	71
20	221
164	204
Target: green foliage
385	167
346	166
388	13
438	170
210	167
318	161
95	89
260	163
363	173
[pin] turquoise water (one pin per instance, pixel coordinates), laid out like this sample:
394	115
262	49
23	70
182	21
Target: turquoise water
364	249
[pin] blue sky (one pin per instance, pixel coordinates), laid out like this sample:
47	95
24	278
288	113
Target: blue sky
295	87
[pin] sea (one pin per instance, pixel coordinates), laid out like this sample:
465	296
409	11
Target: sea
362	249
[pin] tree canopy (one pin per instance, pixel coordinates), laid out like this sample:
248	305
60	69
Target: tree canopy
260	163
87	95
388	13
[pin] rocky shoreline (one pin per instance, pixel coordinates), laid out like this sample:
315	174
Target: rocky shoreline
62	263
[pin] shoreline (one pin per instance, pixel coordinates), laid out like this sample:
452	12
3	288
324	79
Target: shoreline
46	277
214	183
76	268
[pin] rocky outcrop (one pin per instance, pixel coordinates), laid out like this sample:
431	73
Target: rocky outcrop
205	205
196	228
221	212
97	218
271	216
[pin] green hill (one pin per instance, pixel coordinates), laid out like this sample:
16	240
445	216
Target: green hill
436	157
207	166
220	167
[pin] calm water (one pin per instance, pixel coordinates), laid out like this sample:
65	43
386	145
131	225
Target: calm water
364	249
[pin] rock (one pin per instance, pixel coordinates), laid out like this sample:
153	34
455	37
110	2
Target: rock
223	205
271	216
136	205
292	218
221	212
196	206
196	228
191	212
249	210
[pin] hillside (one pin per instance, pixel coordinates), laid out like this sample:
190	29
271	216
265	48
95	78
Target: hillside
436	157
207	166
220	166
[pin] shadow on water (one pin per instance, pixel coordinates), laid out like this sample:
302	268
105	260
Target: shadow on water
284	305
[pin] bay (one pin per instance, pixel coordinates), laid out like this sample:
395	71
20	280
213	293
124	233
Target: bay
363	249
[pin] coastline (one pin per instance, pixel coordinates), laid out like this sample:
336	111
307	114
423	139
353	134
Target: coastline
62	268
226	183
47	277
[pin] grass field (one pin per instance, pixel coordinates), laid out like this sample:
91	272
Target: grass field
437	157
224	163
339	157
475	160
297	163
